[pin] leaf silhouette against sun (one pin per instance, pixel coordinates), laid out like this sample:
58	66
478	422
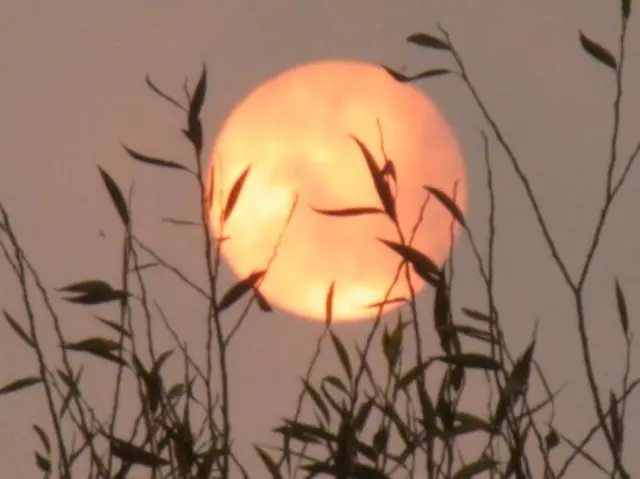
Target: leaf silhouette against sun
153	160
402	78
598	52
234	194
426	40
382	187
239	289
263	304
358	211
426	268
328	305
448	203
116	196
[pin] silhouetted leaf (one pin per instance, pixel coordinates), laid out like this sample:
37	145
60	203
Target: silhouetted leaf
43	438
160	360
317	399
234	194
129	452
342	354
239	289
598	52
43	463
385	303
100	347
18	329
425	40
365	210
263	304
435	72
412	375
471	423
328	305
626	9
116	196
382	187
516	383
552	439
471	332
616	423
477	315
473	469
153	160
449	340
20	384
93	292
181	222
73	389
392	344
448	203
115	326
272	467
197	99
425	267
361	417
622	309
471	360
156	90
176	391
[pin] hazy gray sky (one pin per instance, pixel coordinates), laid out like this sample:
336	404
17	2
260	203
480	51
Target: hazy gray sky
72	82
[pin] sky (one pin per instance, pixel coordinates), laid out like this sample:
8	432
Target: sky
72	77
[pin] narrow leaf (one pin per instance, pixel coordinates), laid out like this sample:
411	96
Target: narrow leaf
425	40
473	469
477	315
99	347
435	72
43	463
263	304
116	196
516	383
365	210
197	100
272	467
471	360
622	309
328	308
18	329
115	326
598	52
153	160
239	289
616	423
342	354
157	91
43	438
448	203
234	194
425	267
317	399
129	452
626	9
20	384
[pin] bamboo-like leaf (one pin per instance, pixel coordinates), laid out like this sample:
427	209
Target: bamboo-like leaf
18	384
361	417
43	463
18	329
425	40
385	303
317	399
115	326
129	452
382	187
516	383
622	309
598	52
328	306
93	292
424	266
616	423
197	99
410	376
272	467
43	438
448	203
402	78
626	9
151	160
160	360
263	304
473	469
116	196
477	315
157	91
342	354
234	194
470	423
239	289
471	361
99	347
347	212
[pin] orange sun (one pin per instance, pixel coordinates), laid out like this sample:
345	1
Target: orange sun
296	132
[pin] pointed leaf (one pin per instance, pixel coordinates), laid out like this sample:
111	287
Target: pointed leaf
20	384
317	399
272	467
471	360
471	470
43	438
153	160
342	354
157	91
364	210
43	463
448	203
516	383
412	375
382	187
239	289
99	347
328	307
18	329
263	304
622	309
401	77
425	267
616	423
598	52
115	326
477	315
116	196
626	9
129	452
197	100
425	40
234	194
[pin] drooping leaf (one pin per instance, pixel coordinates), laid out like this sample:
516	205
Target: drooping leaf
234	194
622	309
151	160
343	356
425	40
317	399
43	438
263	304
18	384
401	77
18	329
346	212
272	467
598	52
115	326
448	203
473	469
116	196
328	306
425	267
160	93
239	289
626	9
516	384
382	187
99	347
471	360
93	292
43	463
129	452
